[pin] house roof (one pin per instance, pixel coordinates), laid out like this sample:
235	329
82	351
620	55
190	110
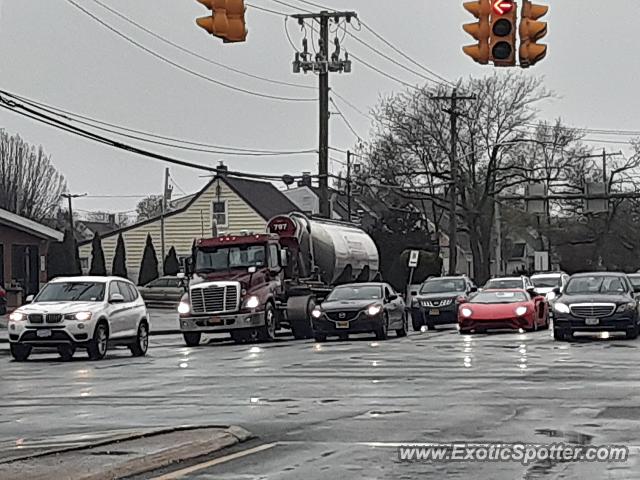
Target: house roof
29	226
263	197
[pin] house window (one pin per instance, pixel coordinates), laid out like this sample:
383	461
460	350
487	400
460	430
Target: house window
84	264
219	213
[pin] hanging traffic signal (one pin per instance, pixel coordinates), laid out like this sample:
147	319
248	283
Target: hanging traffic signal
226	20
502	40
480	30
530	32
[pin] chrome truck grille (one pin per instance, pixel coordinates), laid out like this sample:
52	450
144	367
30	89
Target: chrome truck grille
219	298
592	310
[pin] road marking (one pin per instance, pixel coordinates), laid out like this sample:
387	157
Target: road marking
212	463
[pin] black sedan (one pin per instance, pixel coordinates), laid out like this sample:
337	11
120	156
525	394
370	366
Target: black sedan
596	302
360	308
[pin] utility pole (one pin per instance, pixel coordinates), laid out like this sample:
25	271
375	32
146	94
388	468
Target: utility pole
453	190
498	228
69	197
163	211
349	185
323	64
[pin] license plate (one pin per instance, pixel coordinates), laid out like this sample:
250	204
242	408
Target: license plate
342	324
215	321
434	312
592	321
43	333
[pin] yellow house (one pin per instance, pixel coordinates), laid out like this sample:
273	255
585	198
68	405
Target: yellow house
226	205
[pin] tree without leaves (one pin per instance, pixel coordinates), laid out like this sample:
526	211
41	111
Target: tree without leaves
119	268
30	185
149	265
149	207
171	264
98	266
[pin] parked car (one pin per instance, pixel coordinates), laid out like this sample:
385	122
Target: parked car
164	291
503	309
438	300
360	308
635	281
3	301
596	302
502	283
81	312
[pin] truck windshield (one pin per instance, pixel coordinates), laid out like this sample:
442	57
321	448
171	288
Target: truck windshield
225	258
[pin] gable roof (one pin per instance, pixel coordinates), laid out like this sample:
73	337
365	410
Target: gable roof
29	226
263	197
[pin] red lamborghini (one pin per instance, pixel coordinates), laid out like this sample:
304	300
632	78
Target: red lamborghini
503	309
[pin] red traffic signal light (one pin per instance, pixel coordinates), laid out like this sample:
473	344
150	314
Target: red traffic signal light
226	20
480	30
530	32
502	39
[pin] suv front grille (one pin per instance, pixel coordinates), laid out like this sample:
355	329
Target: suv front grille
215	299
595	310
36	318
54	317
437	303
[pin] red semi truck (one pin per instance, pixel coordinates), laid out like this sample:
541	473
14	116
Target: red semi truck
252	285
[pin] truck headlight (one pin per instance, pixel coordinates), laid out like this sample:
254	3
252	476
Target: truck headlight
626	307
252	302
81	316
17	316
561	307
184	308
374	310
520	311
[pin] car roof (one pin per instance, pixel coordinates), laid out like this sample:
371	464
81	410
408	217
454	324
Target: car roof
599	274
88	278
548	274
456	277
518	290
366	284
506	278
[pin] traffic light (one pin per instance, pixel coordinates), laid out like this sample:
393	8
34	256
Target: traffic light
530	32
480	30
226	20
502	40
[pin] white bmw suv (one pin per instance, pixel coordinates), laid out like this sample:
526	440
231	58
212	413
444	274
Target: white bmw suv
81	312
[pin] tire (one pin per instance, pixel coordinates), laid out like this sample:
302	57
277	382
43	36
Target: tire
139	348
192	339
431	326
320	337
268	332
97	347
3	308
20	352
416	323
383	331
343	336
546	325
303	328
465	332
560	335
402	332
245	336
66	352
533	328
632	333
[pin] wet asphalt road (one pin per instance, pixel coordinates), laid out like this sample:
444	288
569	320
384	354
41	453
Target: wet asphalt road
338	410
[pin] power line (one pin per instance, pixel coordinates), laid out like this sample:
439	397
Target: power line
196	55
264	9
348	103
183	68
345	119
208	147
294	7
385	74
28	112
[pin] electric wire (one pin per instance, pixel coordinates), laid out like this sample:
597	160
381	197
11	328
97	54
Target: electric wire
346	121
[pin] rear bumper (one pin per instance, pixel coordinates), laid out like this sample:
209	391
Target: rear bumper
614	323
222	323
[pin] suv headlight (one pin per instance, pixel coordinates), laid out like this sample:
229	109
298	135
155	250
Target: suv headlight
252	302
81	316
17	316
184	308
561	307
374	310
626	307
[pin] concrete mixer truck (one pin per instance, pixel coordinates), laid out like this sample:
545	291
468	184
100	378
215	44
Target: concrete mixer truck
252	285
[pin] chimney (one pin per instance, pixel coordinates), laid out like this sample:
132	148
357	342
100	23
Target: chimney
306	180
222	168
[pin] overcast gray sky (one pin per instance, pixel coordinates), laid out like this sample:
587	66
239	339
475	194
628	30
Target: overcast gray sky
54	53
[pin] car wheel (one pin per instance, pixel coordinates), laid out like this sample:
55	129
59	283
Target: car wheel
383	330
343	336
303	328
3	308
560	335
192	339
464	332
20	352
402	332
430	326
632	333
66	352
320	337
245	336
268	332
416	323
139	348
97	347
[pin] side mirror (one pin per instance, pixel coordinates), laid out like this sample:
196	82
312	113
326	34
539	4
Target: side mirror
557	290
473	289
636	289
29	299
116	298
188	266
284	258
393	297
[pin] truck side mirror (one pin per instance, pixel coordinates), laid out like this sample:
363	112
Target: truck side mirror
188	266
284	258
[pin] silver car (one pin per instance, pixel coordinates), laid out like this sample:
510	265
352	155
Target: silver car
81	312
